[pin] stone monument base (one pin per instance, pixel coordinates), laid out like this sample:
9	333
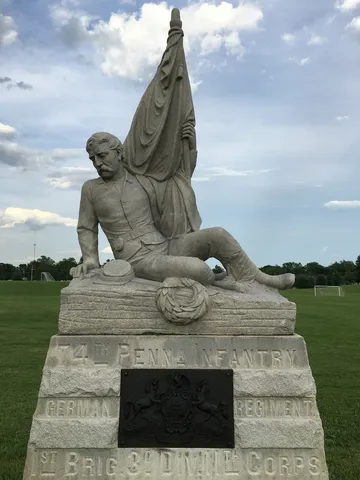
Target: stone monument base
89	308
269	429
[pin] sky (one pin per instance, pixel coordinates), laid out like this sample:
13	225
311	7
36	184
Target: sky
276	94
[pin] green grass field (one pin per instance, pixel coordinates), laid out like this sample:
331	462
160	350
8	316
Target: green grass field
330	325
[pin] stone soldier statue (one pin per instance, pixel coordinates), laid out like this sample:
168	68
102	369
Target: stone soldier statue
143	199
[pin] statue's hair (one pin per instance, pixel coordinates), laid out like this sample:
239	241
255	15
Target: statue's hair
104	137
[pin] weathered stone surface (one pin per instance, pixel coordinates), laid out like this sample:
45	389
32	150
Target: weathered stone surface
131	309
274	383
249	433
74	433
178	351
144	201
81	382
182	301
244	407
146	207
92	407
176	464
278	431
89	366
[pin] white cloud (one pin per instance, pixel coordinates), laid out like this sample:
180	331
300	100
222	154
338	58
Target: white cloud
288	38
200	179
195	84
342	118
14	155
316	40
211	43
8	33
228	172
34	219
354	24
343	204
233	44
76	251
73	177
304	61
6	131
62	13
325	249
70	3
347	5
301	62
71	22
70	177
106	250
120	41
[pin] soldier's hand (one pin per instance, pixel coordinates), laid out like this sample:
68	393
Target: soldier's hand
83	268
188	131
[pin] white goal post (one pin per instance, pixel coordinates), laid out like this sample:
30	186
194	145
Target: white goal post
46	277
328	290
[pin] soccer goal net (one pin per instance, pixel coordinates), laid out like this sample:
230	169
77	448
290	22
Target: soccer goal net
328	290
47	277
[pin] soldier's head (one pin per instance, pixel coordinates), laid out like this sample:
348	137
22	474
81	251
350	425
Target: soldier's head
106	152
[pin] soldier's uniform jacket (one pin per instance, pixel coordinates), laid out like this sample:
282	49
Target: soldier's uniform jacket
122	208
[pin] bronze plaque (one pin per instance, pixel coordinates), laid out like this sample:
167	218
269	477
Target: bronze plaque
176	408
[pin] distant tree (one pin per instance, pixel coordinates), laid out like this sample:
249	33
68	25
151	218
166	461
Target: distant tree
218	269
42	264
23	268
338	273
321	279
293	267
357	269
349	278
273	269
334	278
62	268
343	267
17	274
6	271
314	269
304	281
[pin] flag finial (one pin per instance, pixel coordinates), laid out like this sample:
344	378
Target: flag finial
175	18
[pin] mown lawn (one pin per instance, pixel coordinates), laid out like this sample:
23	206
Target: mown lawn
331	328
330	325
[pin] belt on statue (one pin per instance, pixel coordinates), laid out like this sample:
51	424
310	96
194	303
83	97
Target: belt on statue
138	232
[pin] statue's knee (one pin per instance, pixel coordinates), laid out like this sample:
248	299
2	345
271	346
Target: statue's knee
202	272
220	232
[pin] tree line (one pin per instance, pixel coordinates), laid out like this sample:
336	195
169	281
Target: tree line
339	273
25	271
344	272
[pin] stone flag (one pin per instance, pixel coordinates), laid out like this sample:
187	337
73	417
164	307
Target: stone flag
154	148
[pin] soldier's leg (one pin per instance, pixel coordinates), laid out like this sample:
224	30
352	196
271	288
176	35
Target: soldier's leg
158	267
220	244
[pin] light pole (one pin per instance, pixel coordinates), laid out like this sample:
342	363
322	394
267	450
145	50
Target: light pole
33	265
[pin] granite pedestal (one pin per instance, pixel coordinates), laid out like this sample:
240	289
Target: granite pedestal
277	431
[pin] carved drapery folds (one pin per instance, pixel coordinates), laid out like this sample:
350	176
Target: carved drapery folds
154	149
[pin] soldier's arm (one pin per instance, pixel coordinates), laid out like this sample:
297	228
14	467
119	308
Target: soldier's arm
193	159
87	228
189	148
